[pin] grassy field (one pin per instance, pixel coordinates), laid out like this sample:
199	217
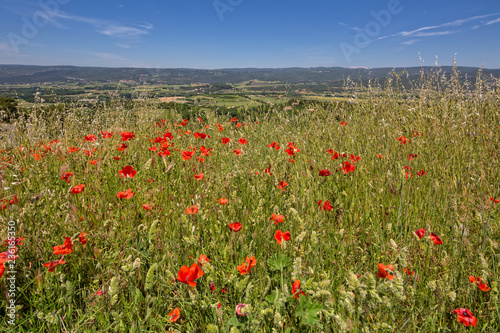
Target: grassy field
132	220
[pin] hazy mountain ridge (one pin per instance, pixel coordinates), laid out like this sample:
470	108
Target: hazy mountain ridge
23	74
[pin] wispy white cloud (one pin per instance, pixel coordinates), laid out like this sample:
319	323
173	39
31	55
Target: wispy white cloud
410	42
447	28
109	28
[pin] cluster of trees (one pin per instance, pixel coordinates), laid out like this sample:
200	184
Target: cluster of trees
8	109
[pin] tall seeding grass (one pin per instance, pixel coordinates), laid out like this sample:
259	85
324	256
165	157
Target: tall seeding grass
126	276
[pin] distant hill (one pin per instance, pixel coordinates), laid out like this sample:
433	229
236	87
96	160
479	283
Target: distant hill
22	74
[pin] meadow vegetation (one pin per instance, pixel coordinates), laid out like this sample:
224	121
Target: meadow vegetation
309	219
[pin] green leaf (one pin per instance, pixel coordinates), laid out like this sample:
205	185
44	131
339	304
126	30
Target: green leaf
279	261
308	311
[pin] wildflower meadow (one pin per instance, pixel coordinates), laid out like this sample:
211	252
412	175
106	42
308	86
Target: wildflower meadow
375	214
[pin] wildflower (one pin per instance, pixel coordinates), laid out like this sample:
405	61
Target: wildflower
77	189
436	239
277	218
125	195
348	167
326	205
200	135
382	271
494	200
465	317
408	271
240	307
192	210
203	259
127	172
420	233
82	238
90	138
116	158
205	151
106	135
66	176
127	136
335	155
421	173
154	148
122	147
174	315
16	241
282	184
379	156
236	226
199	176
324	173
279	235
225	140
186	155
146	207
482	286
73	149
247	266
343	123
273	145
292	149
243	141
354	159
53	264
402	139
223	201
66	248
411	157
187	275
296	289
237	151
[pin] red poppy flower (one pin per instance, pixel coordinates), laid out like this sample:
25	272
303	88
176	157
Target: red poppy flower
200	135
203	259
205	151
199	176
382	271
279	235
174	315
494	200
186	155
192	210
242	141
277	218
125	195
420	233
16	241
296	289
127	136
408	271
421	173
223	201
147	207
82	238
66	248
164	152
127	172
236	226
326	205
77	189
73	149
354	159
402	140
292	149
122	147
154	148
116	158
106	135
273	145
343	123
436	239
324	173
53	264
187	275
465	317
90	138
225	140
247	266
348	167
237	151
200	159
66	176
482	286
282	184
379	156
411	157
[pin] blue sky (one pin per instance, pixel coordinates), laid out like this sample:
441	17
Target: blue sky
249	33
